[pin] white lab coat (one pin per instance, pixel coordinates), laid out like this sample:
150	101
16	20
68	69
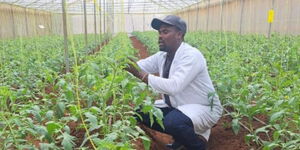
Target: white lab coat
188	86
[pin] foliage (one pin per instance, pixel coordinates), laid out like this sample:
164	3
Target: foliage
43	107
254	75
148	38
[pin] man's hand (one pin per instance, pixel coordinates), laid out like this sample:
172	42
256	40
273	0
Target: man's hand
144	76
134	71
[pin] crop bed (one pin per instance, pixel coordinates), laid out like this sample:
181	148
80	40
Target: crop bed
257	80
91	107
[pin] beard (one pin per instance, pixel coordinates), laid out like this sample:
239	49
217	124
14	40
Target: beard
163	48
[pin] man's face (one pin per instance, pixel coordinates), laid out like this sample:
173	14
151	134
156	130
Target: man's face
168	37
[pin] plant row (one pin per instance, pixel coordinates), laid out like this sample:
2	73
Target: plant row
148	38
90	107
255	76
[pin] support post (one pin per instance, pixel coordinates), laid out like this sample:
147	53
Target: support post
207	18
13	21
222	8
95	22
242	15
270	19
26	22
65	36
85	23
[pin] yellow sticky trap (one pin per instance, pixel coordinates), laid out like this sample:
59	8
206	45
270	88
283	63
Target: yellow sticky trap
271	16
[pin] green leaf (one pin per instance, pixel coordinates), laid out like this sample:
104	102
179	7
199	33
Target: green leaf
67	129
147	108
276	135
49	114
52	127
248	138
159	116
124	83
146	142
47	146
111	136
235	126
262	129
151	118
60	109
61	82
73	109
276	115
93	137
36	113
68	141
93	121
95	110
43	131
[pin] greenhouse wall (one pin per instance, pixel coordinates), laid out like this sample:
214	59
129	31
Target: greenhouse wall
19	21
120	22
244	16
248	15
139	22
78	24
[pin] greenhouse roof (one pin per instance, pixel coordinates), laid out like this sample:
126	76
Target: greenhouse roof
119	6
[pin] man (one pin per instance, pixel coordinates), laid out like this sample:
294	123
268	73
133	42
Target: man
190	106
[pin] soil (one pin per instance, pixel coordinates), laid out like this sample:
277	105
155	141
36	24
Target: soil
221	138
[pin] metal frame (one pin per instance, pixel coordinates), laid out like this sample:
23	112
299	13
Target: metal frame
129	6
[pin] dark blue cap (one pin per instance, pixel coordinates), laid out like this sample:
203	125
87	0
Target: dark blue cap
170	20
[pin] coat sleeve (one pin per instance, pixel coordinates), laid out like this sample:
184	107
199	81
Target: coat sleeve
150	64
188	67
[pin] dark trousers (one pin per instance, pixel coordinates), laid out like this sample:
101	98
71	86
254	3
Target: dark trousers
178	125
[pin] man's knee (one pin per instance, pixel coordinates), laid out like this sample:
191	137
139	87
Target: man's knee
176	121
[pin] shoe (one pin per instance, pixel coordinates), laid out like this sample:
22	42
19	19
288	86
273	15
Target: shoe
175	146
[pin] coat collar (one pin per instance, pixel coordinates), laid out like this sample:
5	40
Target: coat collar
178	50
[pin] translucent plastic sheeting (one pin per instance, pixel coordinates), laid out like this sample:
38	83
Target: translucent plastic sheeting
125	6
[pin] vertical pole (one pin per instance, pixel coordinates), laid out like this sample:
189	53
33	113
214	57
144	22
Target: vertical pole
26	22
242	15
95	22
100	22
51	24
198	9
85	23
65	36
144	18
36	24
1	36
104	17
123	17
13	21
207	18
289	22
270	23
113	16
221	25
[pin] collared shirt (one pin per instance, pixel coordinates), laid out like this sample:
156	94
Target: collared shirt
188	86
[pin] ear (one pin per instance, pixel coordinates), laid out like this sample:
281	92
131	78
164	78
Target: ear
179	35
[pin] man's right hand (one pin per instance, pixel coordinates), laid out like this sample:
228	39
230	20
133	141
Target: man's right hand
131	67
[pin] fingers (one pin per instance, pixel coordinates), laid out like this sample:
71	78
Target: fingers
132	69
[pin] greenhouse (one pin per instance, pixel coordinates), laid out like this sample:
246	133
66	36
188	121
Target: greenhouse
84	74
